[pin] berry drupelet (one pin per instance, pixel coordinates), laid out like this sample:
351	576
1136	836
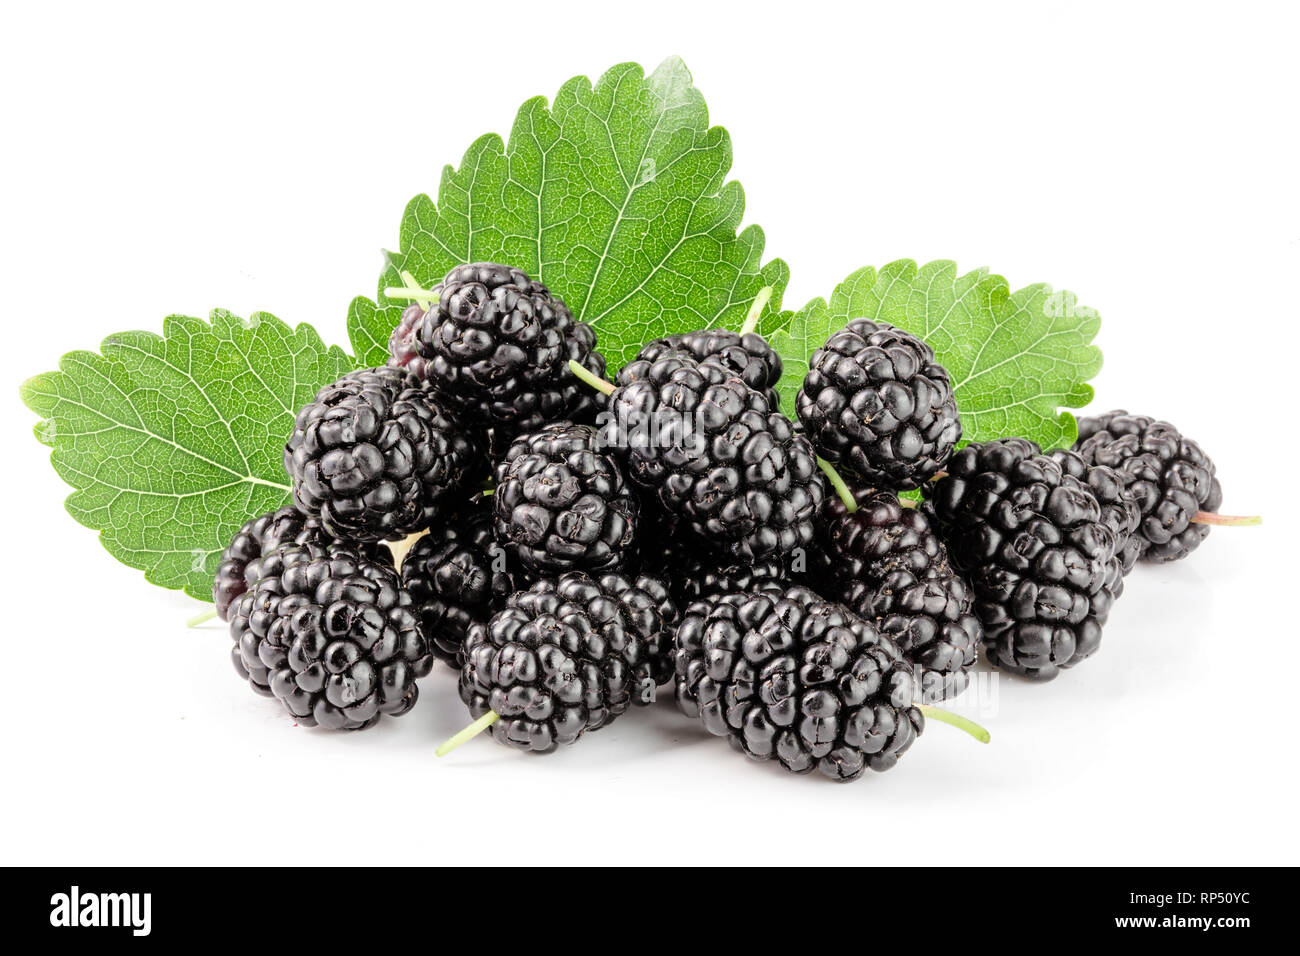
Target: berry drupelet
1035	549
786	675
374	455
330	634
877	406
563	503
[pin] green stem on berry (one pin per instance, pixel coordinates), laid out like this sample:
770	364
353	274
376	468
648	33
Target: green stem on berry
1228	521
955	720
756	310
424	298
408	280
203	618
838	483
584	374
908	502
469	733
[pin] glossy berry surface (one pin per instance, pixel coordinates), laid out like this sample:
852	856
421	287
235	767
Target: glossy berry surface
693	573
402	350
887	563
650	609
457	576
264	534
748	356
1119	505
258	535
563	503
1035	549
567	656
331	635
497	346
730	472
375	453
790	677
877	406
1168	475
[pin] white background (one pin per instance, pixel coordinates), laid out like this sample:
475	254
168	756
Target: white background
157	160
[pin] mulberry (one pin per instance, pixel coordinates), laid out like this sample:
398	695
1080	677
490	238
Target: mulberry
886	562
374	455
563	503
791	677
567	656
1036	551
330	635
877	405
1169	476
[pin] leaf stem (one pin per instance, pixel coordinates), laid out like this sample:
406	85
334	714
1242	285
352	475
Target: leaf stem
203	618
469	733
838	483
955	720
756	310
1228	521
589	377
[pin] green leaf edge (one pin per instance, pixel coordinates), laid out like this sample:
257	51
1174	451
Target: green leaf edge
34	391
422	207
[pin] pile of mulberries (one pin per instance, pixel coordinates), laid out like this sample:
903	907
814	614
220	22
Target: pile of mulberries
568	545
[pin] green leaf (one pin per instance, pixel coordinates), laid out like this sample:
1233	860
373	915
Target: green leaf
615	197
172	442
1016	358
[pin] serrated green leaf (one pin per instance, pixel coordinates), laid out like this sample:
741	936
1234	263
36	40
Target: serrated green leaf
615	197
173	441
1016	358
